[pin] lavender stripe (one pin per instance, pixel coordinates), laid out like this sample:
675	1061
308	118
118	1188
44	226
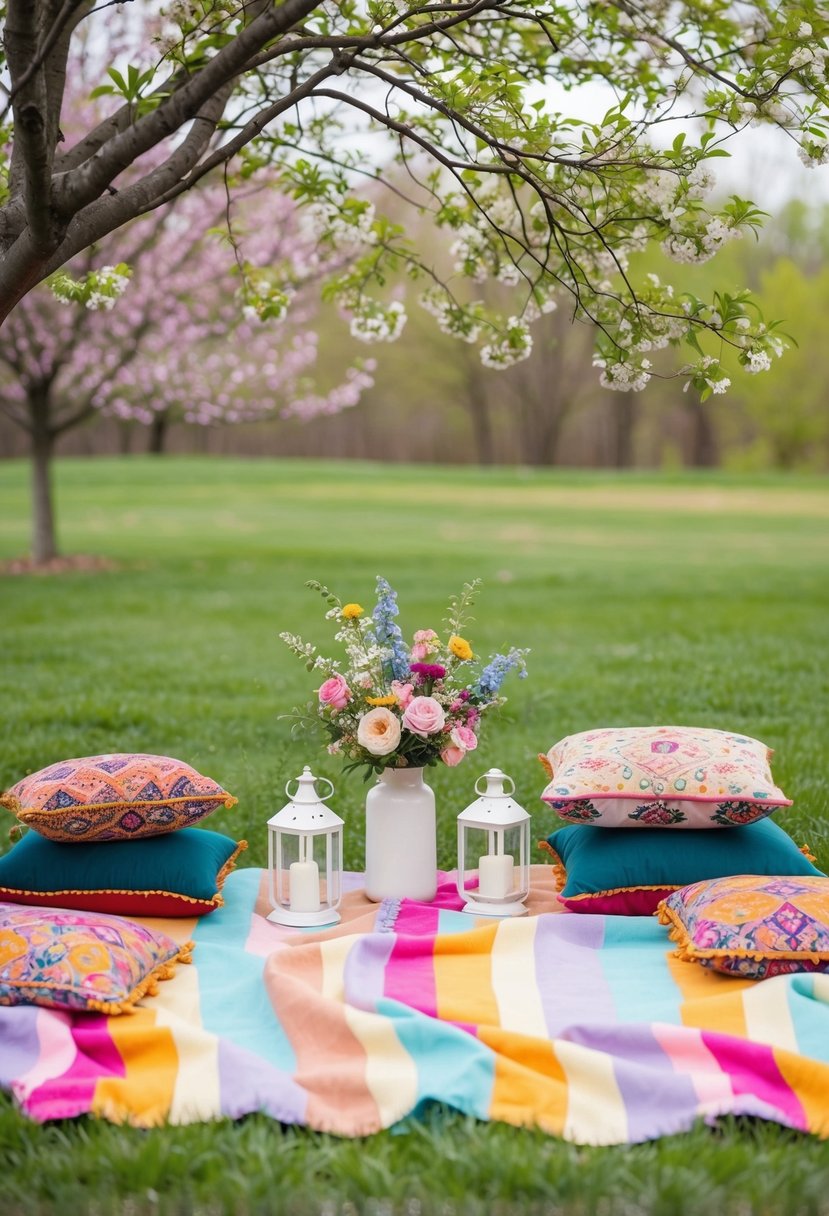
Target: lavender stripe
364	974
21	1045
247	1083
568	971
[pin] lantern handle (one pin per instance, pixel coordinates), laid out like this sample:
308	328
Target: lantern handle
506	778
322	797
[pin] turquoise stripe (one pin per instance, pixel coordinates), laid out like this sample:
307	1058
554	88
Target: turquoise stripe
808	1012
233	1000
452	1066
633	962
450	921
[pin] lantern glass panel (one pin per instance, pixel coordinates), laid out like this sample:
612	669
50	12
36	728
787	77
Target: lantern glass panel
497	856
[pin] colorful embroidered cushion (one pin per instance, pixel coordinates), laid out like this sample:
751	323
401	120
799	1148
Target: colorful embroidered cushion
614	871
661	776
750	926
119	797
180	874
80	960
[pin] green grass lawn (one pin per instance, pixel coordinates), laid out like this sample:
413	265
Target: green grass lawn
693	599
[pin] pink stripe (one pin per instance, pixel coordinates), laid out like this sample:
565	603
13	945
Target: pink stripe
410	974
689	1055
71	1093
753	1070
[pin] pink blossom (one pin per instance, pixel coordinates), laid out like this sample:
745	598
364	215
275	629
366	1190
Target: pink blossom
403	692
334	693
424	644
464	737
424	716
452	755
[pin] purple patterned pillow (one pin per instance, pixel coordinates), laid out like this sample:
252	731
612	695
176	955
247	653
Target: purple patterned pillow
123	796
81	960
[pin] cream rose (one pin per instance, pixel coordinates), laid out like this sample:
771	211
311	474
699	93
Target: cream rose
424	716
378	731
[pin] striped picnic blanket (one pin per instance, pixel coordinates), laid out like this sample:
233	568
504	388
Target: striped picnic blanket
583	1025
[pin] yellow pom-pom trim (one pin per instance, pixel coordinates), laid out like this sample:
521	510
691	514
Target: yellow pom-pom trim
11	803
546	765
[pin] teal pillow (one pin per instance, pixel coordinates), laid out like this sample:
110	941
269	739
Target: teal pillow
180	874
620	872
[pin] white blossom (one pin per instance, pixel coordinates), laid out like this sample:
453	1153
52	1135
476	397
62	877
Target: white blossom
758	361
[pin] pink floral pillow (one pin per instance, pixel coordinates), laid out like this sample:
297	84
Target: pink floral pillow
81	960
661	776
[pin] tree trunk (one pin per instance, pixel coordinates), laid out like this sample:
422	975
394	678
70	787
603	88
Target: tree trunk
478	406
704	453
158	433
624	419
44	545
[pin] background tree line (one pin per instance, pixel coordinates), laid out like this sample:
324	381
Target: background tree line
432	400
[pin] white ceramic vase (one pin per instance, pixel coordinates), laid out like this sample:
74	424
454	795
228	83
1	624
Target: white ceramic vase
401	841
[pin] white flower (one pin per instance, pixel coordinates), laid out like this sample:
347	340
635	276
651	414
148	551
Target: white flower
758	361
801	57
804	30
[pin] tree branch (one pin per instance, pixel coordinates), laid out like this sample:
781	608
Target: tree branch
31	155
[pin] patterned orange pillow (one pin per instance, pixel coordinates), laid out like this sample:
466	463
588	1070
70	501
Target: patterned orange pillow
751	926
123	796
661	777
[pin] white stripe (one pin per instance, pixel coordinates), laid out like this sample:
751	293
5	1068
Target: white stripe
333	955
391	1073
513	978
196	1090
595	1108
767	1014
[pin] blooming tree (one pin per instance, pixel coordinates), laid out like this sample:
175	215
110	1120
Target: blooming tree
176	346
550	204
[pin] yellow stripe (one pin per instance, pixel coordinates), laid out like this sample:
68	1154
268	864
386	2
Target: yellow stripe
463	977
529	1087
595	1108
709	1001
513	978
808	1078
390	1072
144	1095
333	955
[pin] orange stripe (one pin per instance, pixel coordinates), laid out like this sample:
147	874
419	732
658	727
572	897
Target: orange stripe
463	977
809	1079
710	1001
330	1060
530	1086
143	1096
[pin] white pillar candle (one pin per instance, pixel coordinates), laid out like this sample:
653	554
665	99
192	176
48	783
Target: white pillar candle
495	875
305	886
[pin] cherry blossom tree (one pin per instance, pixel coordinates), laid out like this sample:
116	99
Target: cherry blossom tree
176	346
455	93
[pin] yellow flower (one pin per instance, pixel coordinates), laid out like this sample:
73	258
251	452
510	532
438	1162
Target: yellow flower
352	611
390	700
460	648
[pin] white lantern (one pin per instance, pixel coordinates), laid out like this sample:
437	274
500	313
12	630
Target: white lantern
305	857
494	839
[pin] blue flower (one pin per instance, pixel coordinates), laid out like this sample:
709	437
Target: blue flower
497	669
387	631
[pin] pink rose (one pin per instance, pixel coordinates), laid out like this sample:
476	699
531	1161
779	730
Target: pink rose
452	755
424	716
334	692
403	692
378	731
463	737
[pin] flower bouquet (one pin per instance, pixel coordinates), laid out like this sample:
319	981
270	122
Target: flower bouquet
400	705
